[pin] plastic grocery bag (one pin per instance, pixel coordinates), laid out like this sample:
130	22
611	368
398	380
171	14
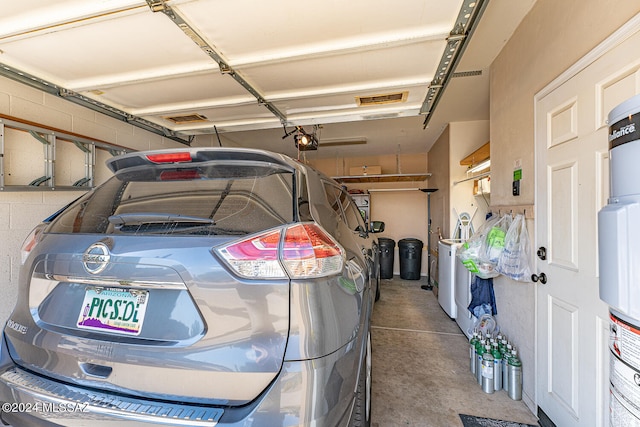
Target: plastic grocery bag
473	252
514	261
494	243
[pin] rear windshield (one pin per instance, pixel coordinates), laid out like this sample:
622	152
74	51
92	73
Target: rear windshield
186	201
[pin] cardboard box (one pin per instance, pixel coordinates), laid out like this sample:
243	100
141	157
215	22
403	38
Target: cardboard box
365	170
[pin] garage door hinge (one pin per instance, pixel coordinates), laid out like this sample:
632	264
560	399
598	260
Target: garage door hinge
157	5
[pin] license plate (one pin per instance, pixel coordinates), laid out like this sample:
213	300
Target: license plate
119	311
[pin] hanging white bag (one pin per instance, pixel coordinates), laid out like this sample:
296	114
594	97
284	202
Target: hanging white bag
473	252
514	261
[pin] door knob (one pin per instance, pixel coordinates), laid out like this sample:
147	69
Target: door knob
539	277
542	253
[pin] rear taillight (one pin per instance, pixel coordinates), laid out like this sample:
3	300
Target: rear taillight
256	257
310	252
299	251
30	242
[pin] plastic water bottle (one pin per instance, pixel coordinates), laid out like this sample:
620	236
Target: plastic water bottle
515	376
497	367
487	370
472	352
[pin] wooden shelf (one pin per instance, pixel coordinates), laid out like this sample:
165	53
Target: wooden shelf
407	177
481	154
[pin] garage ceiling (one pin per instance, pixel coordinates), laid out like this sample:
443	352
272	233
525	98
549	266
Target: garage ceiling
359	70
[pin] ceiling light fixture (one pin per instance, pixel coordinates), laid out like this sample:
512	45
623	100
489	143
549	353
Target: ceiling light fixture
305	141
480	166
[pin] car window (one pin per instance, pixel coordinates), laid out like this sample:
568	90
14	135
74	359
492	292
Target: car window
353	216
183	201
304	212
333	194
344	206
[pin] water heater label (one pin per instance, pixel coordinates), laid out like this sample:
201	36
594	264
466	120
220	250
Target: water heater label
625	130
624	341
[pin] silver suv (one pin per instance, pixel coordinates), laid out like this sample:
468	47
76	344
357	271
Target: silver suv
198	287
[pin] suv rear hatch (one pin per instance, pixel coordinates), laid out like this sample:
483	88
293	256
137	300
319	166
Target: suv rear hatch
126	290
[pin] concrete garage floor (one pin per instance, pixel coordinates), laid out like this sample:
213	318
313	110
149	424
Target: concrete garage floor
421	373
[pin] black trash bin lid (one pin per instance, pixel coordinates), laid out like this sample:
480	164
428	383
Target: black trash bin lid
385	241
410	241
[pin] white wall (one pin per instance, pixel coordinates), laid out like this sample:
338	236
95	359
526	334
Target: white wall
20	211
466	137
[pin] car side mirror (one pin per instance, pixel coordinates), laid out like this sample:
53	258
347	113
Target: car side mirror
377	226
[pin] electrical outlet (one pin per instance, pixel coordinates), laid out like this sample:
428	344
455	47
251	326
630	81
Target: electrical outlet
516	188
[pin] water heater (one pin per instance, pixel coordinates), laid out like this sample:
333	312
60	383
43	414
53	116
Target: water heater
619	258
619	220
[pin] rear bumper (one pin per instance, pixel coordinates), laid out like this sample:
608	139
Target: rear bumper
318	392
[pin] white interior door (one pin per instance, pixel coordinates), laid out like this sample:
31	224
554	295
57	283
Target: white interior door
572	185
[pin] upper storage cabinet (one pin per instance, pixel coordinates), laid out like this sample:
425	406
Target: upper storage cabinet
477	157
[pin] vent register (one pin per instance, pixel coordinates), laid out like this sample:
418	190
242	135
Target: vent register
187	118
382	99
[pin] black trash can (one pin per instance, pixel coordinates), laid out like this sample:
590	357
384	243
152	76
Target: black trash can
386	257
410	251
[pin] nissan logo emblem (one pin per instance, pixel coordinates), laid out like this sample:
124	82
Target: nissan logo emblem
96	258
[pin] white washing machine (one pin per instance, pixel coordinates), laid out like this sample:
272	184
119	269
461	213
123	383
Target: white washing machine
446	275
464	318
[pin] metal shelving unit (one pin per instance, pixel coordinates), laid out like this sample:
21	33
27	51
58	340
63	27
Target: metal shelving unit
68	160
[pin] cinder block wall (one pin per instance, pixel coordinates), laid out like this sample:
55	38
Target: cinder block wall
20	211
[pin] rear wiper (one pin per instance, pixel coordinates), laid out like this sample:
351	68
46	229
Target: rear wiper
153	218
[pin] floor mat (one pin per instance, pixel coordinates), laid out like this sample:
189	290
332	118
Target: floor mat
471	421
